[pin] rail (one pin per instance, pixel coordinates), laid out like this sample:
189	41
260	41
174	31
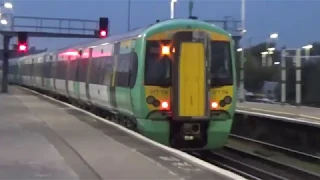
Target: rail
255	166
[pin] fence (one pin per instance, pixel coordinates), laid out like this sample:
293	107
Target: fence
300	78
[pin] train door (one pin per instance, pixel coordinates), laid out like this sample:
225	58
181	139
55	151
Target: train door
88	74
43	69
19	71
113	92
190	75
54	72
48	72
133	76
123	89
76	83
68	64
32	73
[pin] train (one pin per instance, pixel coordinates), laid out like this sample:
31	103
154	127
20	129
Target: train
173	81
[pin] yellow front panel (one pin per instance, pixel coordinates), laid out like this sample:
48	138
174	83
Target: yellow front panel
192	80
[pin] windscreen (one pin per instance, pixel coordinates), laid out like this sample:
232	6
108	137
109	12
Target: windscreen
157	66
221	64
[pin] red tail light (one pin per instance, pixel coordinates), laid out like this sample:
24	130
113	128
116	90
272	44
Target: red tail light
214	105
165	105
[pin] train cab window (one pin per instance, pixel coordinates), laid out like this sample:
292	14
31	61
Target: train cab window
157	66
221	64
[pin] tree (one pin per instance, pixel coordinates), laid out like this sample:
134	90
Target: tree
255	74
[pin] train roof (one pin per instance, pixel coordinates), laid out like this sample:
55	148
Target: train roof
119	37
110	39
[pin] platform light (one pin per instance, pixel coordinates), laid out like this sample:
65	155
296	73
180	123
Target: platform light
8	5
271	49
239	49
310	46
274	36
4	21
264	53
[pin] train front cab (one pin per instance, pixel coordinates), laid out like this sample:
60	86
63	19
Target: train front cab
189	103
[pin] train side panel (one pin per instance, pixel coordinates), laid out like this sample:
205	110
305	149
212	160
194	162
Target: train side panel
61	74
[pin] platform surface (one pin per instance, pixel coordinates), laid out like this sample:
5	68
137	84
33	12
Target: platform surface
303	112
42	139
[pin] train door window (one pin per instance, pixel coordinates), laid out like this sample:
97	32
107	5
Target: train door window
95	70
54	69
122	73
107	70
133	69
83	69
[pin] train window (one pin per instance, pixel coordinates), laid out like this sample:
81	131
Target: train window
133	69
157	67
221	64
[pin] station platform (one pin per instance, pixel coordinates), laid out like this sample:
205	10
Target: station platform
302	113
43	139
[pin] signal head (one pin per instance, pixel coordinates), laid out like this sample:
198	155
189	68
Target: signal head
22	41
103	27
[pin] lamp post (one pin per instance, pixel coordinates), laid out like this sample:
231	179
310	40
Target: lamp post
172	8
243	16
190	8
129	14
8	5
270	49
264	58
242	60
307	50
4	20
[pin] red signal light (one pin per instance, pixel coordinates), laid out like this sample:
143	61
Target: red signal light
22	41
22	47
103	33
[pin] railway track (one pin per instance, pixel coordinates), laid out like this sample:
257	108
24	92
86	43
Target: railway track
255	166
292	153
